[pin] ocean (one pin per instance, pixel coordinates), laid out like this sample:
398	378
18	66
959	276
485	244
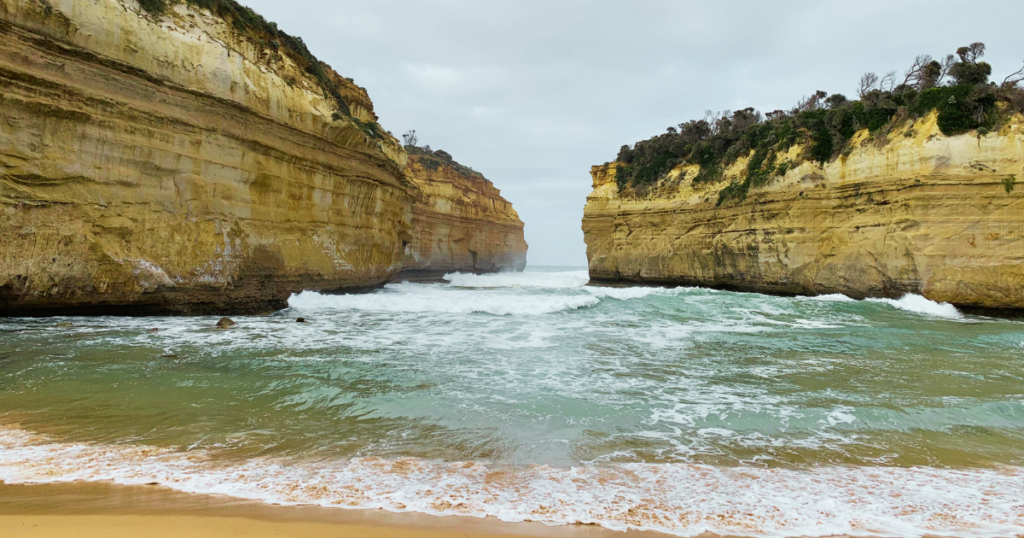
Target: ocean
534	397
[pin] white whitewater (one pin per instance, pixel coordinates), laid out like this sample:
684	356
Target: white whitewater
534	397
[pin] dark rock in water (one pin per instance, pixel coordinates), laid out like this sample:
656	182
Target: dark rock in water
64	325
301	320
225	323
151	331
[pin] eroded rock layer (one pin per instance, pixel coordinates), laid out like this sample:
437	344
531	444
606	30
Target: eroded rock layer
460	222
180	163
168	165
918	212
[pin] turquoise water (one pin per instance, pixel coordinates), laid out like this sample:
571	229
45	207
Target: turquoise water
534	397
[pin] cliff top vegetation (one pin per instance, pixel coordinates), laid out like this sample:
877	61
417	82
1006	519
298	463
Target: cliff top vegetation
957	86
436	159
254	27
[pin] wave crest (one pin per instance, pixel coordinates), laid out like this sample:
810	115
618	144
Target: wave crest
920	305
560	280
428	300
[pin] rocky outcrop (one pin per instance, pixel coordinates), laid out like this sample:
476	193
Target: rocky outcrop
155	164
917	212
460	222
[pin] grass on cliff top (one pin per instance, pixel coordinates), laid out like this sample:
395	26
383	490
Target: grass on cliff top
436	159
957	87
254	27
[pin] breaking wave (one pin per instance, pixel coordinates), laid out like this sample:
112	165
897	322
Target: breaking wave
833	298
920	305
680	499
425	298
568	279
680	410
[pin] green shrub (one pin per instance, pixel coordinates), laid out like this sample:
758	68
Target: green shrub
786	134
757	161
709	174
654	170
710	164
959	107
878	117
736	191
971	73
822	146
844	122
623	176
763	173
1008	183
825	123
935	97
956	119
155	7
372	129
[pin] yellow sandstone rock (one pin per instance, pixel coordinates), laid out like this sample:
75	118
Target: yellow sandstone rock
172	165
460	222
925	213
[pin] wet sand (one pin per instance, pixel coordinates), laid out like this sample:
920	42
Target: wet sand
95	510
101	510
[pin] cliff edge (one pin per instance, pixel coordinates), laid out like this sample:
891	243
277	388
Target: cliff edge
460	222
914	211
185	159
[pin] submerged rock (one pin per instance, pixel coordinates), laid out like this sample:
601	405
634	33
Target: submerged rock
226	323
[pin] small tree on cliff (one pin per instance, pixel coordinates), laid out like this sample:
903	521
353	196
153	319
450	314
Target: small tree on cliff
969	70
1014	79
410	138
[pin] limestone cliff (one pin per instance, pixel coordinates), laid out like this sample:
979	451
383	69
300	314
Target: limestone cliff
460	221
179	163
916	212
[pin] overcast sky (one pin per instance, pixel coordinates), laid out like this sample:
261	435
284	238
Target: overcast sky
532	93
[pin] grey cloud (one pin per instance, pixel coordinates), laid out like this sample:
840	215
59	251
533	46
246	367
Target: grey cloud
532	93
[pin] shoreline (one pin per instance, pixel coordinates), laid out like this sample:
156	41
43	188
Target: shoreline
102	509
267	308
107	510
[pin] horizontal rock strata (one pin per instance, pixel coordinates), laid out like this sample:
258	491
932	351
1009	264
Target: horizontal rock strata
173	165
928	214
460	222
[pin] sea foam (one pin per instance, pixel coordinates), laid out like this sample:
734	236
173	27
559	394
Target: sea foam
833	298
568	279
680	499
920	305
421	298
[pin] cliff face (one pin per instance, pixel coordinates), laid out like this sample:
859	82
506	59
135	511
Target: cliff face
924	213
170	164
460	222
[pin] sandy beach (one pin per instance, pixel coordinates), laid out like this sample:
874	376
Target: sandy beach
195	526
681	269
84	510
88	510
